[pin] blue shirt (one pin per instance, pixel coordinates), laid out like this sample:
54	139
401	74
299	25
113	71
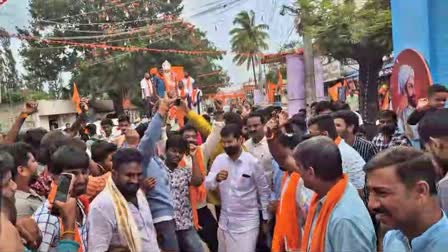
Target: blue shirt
160	86
350	227
159	198
434	239
277	181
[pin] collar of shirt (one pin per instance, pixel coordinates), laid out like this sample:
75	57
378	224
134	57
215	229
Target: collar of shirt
421	242
25	195
262	141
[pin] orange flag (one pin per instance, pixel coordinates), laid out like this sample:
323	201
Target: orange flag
76	98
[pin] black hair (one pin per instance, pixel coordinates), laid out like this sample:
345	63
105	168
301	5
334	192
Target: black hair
6	163
388	114
339	105
324	123
207	118
233	118
436	88
433	124
49	144
126	156
257	114
290	140
107	121
411	165
101	150
231	130
33	137
141	128
91	128
322	106
350	118
20	152
177	141
68	158
124	118
299	120
188	127
323	155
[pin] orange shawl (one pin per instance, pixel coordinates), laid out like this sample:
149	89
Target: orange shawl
85	201
197	194
320	231
286	226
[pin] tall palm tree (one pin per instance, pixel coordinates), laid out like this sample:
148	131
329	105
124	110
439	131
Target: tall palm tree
248	40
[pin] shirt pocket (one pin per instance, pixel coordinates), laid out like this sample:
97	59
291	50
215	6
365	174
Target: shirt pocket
244	182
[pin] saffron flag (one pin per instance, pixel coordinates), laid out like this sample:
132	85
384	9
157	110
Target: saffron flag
76	98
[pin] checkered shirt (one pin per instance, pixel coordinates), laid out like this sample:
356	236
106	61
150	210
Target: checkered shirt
398	139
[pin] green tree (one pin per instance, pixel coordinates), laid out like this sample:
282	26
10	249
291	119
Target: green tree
345	31
248	40
102	73
9	80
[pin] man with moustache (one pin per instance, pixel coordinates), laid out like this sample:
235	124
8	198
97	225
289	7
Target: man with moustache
242	186
120	215
25	174
67	159
257	145
389	135
403	195
433	130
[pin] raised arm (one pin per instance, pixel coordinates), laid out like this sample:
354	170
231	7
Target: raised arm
152	134
196	175
82	117
11	136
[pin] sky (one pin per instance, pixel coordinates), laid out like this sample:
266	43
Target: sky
216	24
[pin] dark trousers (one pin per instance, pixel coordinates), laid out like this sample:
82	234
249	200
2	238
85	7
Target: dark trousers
262	241
148	107
209	231
166	236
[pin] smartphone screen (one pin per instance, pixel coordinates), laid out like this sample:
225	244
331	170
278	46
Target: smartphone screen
63	190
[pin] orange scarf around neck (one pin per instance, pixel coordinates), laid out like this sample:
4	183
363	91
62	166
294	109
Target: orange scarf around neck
287	233
338	140
320	231
197	194
78	238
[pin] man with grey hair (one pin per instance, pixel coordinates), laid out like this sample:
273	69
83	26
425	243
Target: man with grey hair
406	85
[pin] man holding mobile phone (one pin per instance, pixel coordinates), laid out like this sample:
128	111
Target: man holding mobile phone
66	160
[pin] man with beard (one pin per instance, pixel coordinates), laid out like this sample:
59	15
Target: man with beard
433	130
120	216
347	125
242	186
24	174
389	135
406	83
204	221
403	195
67	159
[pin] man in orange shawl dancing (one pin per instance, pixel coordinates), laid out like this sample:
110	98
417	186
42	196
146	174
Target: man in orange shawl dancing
338	219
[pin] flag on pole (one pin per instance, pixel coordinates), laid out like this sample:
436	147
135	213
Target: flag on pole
76	98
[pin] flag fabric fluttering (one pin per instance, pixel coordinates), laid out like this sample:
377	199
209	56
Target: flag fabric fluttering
76	98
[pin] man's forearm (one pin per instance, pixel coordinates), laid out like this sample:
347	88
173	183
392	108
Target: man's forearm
11	136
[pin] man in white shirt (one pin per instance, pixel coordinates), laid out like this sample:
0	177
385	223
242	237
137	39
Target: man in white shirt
147	92
257	144
188	82
242	185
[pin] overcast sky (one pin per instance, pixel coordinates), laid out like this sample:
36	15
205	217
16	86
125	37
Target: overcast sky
216	24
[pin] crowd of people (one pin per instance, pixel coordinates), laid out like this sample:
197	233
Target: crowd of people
249	179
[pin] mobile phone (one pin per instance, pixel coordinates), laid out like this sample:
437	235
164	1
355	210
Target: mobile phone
177	102
61	191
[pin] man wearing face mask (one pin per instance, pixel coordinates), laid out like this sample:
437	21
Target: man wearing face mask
389	134
25	174
242	184
433	130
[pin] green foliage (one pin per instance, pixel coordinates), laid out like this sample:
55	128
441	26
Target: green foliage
115	73
18	96
8	71
344	31
248	39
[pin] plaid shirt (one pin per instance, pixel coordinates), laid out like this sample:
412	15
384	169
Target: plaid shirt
50	227
398	139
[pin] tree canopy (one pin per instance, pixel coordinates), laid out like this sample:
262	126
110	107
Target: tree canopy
344	30
103	72
8	72
248	40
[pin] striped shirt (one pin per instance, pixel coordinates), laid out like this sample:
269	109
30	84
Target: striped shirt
365	148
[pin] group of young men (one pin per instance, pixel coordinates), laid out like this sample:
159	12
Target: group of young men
253	179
